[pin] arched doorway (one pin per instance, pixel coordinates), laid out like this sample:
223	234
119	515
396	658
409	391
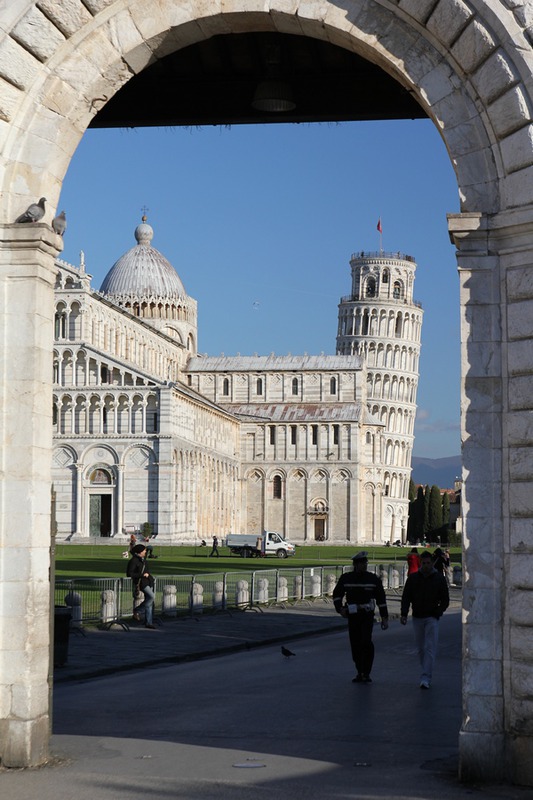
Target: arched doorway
469	69
100	506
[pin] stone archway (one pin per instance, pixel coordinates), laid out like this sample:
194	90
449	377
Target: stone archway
470	65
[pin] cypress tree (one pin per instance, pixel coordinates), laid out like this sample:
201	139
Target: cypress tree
445	509
445	535
426	527
435	510
412	516
419	514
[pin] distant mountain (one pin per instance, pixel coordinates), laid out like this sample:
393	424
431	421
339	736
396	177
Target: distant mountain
440	472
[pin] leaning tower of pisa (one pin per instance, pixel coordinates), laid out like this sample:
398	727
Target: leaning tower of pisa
381	321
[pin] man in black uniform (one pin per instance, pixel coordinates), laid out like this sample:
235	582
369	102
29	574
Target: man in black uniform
363	590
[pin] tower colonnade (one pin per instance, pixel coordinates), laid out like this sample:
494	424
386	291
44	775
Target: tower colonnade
381	321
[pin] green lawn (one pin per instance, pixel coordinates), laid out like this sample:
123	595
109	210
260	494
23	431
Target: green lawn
105	561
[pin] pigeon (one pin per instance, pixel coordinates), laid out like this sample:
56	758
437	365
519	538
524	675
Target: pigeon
59	224
34	212
286	653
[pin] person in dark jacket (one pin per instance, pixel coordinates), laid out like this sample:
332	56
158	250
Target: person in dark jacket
426	591
439	561
355	597
143	582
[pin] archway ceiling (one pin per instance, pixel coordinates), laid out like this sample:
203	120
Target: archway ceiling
213	83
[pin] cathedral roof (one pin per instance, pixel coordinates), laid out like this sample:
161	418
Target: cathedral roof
143	272
300	412
274	363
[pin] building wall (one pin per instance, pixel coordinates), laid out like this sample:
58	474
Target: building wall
132	446
304	424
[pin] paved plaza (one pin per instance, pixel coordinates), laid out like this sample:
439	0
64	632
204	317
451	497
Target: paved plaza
209	707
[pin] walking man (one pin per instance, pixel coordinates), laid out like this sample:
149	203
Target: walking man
427	592
362	590
214	551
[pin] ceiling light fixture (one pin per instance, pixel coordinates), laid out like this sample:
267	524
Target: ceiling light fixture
273	94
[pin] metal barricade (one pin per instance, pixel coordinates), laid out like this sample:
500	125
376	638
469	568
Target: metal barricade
109	600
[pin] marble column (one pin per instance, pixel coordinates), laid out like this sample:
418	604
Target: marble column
495	258
27	277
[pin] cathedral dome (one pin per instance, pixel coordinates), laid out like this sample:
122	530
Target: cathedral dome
142	273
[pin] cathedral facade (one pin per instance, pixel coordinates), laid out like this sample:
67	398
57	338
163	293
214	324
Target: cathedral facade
146	430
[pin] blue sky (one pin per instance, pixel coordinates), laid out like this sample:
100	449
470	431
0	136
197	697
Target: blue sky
260	223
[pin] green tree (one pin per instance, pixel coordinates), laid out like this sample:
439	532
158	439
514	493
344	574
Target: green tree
445	510
416	517
445	530
426	527
412	518
435	511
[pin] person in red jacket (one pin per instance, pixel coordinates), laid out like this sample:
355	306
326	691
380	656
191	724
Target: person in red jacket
413	561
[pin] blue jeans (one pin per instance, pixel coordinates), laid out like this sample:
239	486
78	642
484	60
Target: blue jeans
147	605
426	631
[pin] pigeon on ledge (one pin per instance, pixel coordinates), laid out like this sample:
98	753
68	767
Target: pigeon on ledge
34	212
59	224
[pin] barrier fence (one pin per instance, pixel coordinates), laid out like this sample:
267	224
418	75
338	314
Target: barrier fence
108	600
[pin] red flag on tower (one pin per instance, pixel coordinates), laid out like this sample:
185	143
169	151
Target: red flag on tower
380	229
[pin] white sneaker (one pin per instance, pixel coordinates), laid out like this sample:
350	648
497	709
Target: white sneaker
424	684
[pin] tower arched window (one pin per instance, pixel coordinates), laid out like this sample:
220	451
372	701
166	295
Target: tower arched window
398	329
225	387
333	385
277	487
385	276
295	386
371	287
397	290
259	386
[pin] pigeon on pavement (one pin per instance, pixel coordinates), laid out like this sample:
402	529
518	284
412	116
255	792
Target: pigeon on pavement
286	653
59	224
34	212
